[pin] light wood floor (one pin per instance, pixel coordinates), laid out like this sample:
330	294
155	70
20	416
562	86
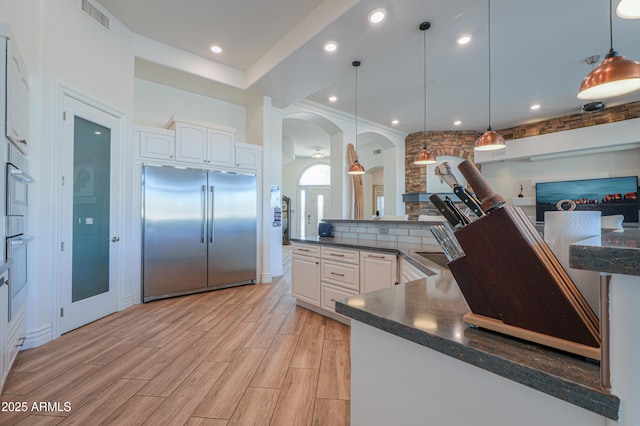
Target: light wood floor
241	356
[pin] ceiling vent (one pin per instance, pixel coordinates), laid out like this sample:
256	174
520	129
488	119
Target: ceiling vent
95	14
377	151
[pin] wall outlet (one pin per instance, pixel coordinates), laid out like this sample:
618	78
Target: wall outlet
383	229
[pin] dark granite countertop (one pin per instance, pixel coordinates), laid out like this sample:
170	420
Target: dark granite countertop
409	251
616	252
429	312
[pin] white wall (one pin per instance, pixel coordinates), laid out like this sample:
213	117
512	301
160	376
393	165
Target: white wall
155	104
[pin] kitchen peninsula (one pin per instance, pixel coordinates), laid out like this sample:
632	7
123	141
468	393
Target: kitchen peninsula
413	356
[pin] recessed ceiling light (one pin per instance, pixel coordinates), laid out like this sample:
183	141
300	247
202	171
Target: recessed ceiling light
333	98
535	106
377	15
457	123
464	39
330	46
394	122
216	49
97	132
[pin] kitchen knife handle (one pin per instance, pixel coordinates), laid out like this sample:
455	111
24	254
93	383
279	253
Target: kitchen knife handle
468	199
489	200
444	210
463	218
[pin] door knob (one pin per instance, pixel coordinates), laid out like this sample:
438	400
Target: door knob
115	239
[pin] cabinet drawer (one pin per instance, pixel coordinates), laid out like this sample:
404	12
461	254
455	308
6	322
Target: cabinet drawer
330	294
342	274
305	250
341	255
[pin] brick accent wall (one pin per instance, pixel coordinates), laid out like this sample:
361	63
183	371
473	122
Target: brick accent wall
575	121
460	144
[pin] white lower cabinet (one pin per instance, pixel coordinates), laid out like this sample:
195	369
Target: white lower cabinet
409	272
331	294
345	275
15	337
341	273
4	331
377	270
305	278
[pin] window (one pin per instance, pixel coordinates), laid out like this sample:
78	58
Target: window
318	174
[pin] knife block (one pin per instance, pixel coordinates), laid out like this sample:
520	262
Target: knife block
515	285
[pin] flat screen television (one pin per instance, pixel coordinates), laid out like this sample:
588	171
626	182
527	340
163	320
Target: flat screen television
618	195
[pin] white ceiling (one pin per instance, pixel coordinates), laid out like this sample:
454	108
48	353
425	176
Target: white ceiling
538	51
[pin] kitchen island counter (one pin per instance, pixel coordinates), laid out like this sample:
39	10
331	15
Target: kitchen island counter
428	312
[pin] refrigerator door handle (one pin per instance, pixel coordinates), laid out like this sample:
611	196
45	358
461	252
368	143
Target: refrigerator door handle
212	235
204	214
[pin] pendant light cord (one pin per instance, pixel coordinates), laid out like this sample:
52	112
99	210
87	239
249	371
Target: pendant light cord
489	52
424	32
610	26
356	64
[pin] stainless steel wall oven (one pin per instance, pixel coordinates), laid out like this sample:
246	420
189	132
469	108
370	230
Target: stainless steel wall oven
16	238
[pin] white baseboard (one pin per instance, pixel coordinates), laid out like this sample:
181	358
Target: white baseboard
278	272
265	278
35	338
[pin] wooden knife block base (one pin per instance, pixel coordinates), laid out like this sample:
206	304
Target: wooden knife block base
514	285
532	336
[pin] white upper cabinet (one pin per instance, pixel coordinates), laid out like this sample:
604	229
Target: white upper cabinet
221	148
17	99
156	143
248	157
200	143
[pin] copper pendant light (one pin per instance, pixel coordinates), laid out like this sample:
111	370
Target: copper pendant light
425	156
628	9
356	168
615	75
490	139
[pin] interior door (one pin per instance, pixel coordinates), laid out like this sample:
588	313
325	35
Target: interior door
89	214
316	207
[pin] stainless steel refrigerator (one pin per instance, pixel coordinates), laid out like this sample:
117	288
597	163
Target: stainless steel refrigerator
199	230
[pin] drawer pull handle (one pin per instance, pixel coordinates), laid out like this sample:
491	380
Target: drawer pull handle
304	250
335	273
376	257
333	300
337	255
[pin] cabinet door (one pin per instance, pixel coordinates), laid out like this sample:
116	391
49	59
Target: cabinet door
409	272
331	294
305	279
378	270
17	99
247	158
345	275
191	143
221	148
154	145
